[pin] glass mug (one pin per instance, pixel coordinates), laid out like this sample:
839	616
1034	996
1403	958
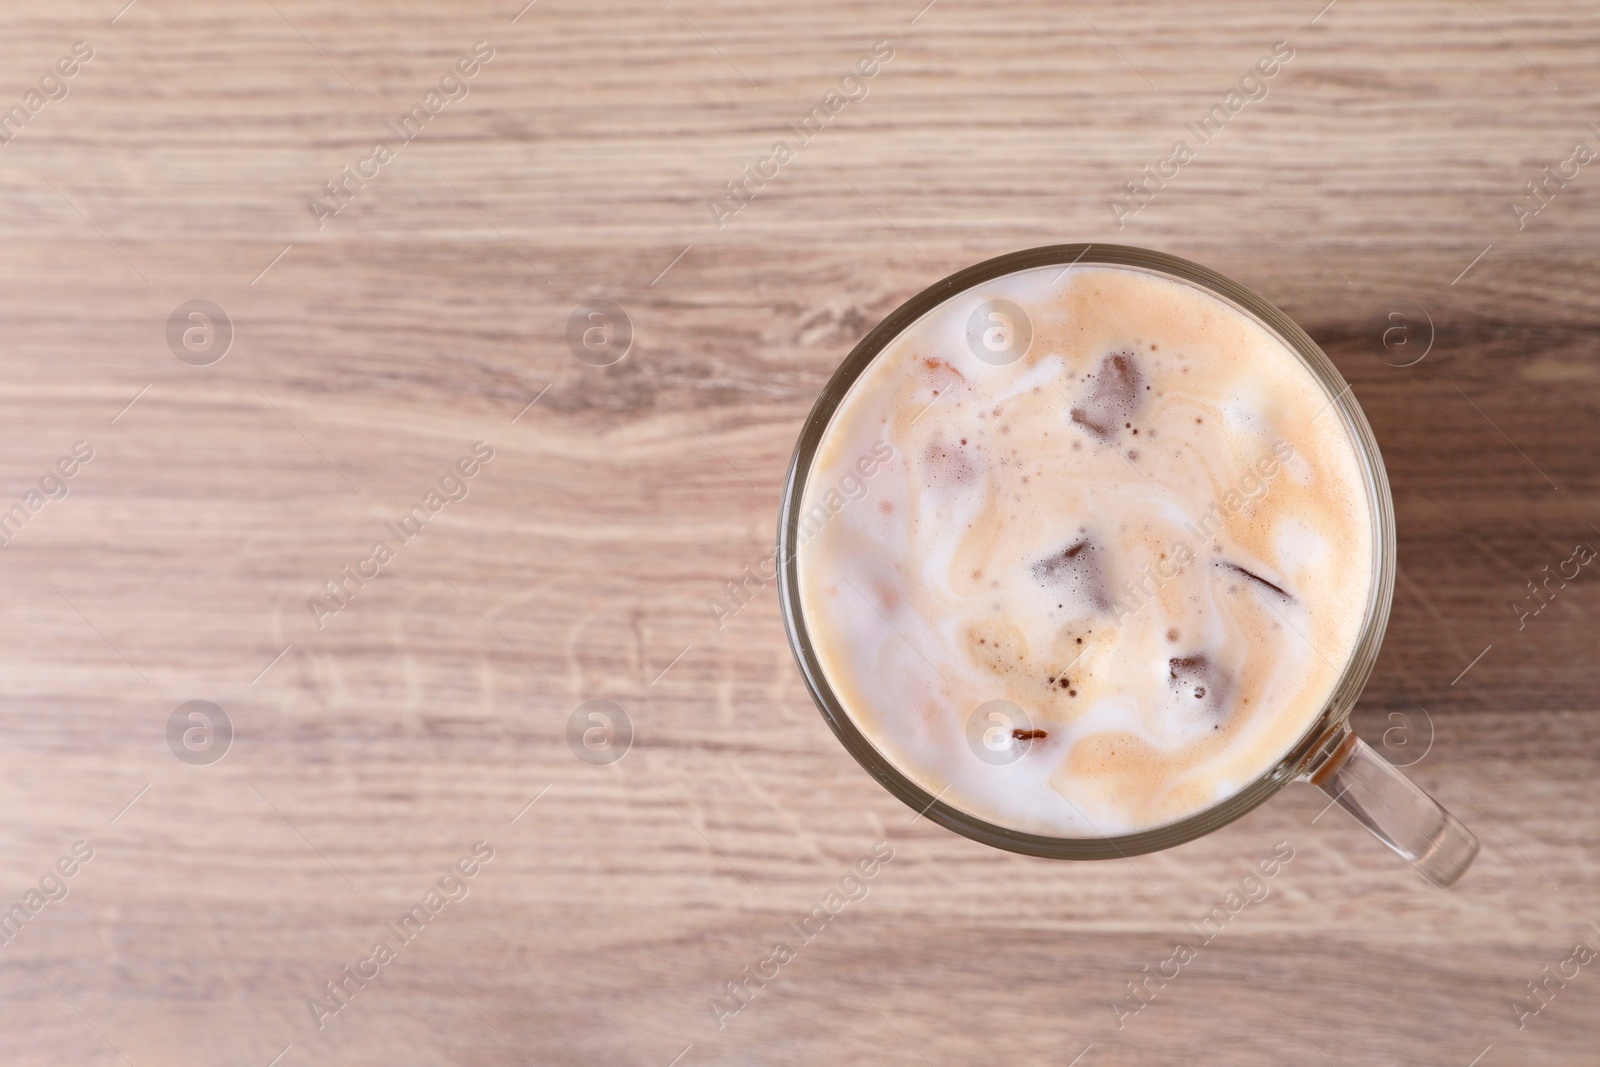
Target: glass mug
1329	755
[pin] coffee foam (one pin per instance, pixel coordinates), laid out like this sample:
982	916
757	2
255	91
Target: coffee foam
1150	534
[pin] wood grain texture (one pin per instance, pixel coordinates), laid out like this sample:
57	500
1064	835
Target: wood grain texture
430	711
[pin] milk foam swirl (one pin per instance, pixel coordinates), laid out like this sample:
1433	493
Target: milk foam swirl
1148	534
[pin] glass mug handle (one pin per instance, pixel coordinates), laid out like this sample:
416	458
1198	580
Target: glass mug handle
1394	808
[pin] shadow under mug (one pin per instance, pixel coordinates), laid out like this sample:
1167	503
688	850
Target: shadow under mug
1329	754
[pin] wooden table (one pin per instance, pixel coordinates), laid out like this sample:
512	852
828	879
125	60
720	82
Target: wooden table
372	348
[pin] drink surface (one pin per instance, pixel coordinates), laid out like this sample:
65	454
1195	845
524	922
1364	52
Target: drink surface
1084	552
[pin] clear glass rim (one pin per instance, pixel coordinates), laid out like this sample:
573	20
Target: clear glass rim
1343	697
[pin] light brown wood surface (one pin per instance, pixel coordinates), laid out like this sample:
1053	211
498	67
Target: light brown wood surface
427	714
